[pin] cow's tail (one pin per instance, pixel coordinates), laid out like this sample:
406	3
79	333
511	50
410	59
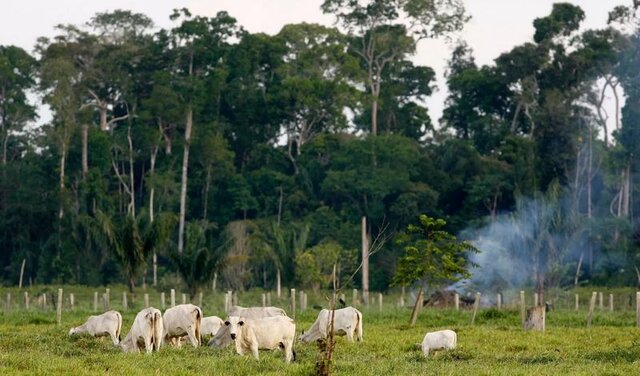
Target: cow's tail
119	326
359	325
156	330
198	333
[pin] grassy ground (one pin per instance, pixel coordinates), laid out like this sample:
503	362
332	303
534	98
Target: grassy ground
32	343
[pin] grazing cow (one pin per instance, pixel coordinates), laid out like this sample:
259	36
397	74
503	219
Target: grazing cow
347	321
146	332
211	325
442	339
183	319
267	334
107	324
254	313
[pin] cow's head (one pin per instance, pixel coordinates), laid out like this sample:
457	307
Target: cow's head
233	324
72	331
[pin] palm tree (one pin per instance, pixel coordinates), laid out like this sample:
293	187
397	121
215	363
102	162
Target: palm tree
133	239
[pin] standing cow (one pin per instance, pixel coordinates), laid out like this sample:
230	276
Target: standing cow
106	324
347	321
267	333
146	332
442	339
181	320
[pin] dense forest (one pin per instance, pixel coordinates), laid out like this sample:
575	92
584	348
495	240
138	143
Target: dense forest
210	151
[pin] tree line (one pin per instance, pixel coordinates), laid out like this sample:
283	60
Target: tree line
205	151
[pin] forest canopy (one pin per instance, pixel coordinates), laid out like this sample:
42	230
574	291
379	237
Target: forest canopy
209	151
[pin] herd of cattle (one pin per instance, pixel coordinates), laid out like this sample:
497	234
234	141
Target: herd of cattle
251	329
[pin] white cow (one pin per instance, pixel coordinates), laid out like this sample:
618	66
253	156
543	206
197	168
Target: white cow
146	332
222	338
211	325
267	333
107	324
254	313
347	321
183	319
442	339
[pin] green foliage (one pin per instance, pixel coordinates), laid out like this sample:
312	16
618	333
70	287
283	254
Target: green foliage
431	256
314	266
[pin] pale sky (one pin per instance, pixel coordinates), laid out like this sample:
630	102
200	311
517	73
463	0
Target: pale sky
496	25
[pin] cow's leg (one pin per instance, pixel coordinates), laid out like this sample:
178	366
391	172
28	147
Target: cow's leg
288	351
192	336
254	351
114	338
349	332
148	345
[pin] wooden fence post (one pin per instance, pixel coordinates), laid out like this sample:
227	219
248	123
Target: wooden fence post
269	298
72	301
456	301
8	301
146	300
600	301
162	300
293	303
107	299
200	299
44	301
264	299
95	301
354	297
173	297
476	304
184	298
380	301
592	306
125	306
26	300
610	302
577	302
522	307
536	299
235	298
59	307
499	298
638	309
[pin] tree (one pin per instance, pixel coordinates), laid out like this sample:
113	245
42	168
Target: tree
199	45
381	39
17	75
432	257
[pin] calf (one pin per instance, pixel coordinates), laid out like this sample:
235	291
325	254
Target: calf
267	333
107	324
183	319
254	313
442	339
347	321
146	332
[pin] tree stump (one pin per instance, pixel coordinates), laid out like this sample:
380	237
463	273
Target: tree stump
535	319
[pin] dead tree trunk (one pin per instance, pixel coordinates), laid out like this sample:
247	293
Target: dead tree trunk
183	186
535	319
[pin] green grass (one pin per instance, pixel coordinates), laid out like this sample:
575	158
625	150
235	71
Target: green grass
32	343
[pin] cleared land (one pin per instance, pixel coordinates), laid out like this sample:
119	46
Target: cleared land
32	343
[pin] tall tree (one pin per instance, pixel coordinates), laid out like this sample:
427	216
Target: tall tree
384	32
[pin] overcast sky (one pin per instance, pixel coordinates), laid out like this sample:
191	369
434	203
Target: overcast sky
495	27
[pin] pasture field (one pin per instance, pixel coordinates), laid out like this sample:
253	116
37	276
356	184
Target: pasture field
31	343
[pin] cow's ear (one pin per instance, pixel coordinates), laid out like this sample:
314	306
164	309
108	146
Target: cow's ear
240	323
227	323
